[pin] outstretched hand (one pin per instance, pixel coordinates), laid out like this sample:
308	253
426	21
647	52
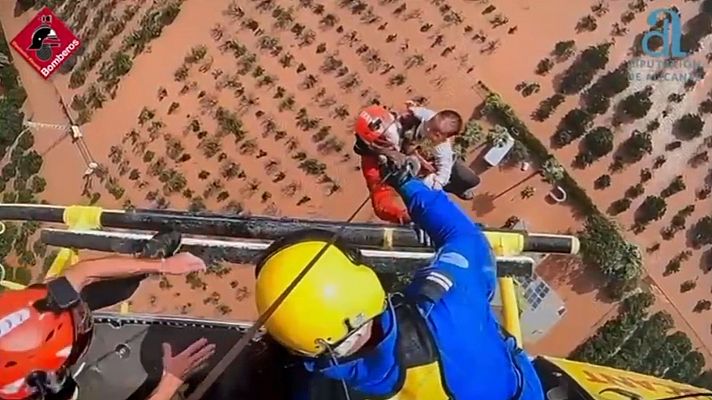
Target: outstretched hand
190	360
182	263
409	104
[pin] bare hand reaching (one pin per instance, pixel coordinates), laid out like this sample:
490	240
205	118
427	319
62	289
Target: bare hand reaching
190	360
410	104
182	263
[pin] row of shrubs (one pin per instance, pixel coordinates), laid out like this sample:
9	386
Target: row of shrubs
637	341
602	244
19	179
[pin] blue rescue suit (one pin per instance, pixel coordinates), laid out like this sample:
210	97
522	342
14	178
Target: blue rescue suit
477	361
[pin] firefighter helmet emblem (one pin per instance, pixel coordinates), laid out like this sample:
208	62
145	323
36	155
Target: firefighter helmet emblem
44	39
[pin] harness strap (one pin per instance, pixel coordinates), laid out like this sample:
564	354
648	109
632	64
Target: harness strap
514	350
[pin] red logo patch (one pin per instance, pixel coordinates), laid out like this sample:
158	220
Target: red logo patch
45	42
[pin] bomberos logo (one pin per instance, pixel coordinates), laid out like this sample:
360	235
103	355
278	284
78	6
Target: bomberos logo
46	42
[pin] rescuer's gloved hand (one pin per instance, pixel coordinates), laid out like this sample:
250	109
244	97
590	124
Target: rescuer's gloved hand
397	168
163	244
423	237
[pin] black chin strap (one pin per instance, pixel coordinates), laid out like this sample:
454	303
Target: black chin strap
52	386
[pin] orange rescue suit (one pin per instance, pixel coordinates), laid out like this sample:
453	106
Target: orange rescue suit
386	202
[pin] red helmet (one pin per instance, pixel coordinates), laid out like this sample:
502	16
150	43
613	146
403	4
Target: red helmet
374	122
35	341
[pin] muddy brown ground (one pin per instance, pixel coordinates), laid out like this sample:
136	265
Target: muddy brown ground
446	77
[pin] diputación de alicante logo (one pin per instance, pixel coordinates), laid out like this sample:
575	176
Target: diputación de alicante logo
45	42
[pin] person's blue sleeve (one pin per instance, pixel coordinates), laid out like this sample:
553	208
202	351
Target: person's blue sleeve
464	261
300	380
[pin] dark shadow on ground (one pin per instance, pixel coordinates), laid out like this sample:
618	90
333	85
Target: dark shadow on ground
706	261
556	79
690	236
483	203
19	8
550	200
619	117
614	209
478	165
576	162
564	270
478	111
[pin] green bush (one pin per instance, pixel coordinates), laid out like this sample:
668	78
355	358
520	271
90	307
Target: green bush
596	144
638	104
601	347
27	140
574	125
13	92
670	353
37	184
620	205
645	339
652	209
27	259
602	182
597	103
547	107
94	198
77	78
634	342
20	275
635	191
25	196
564	49
30	164
636	146
676	186
705	378
689	126
688	369
9	197
602	245
11	119
39	248
151	26
702	232
582	71
610	84
19	184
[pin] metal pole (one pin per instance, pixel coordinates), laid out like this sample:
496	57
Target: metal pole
248	251
371	235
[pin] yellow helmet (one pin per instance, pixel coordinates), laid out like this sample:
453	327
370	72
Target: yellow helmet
337	296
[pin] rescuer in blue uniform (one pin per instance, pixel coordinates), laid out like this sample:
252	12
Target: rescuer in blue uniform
439	340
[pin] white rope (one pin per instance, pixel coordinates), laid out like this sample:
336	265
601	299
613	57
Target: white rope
2	273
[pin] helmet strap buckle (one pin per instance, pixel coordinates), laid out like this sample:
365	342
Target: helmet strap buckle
356	322
53	385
